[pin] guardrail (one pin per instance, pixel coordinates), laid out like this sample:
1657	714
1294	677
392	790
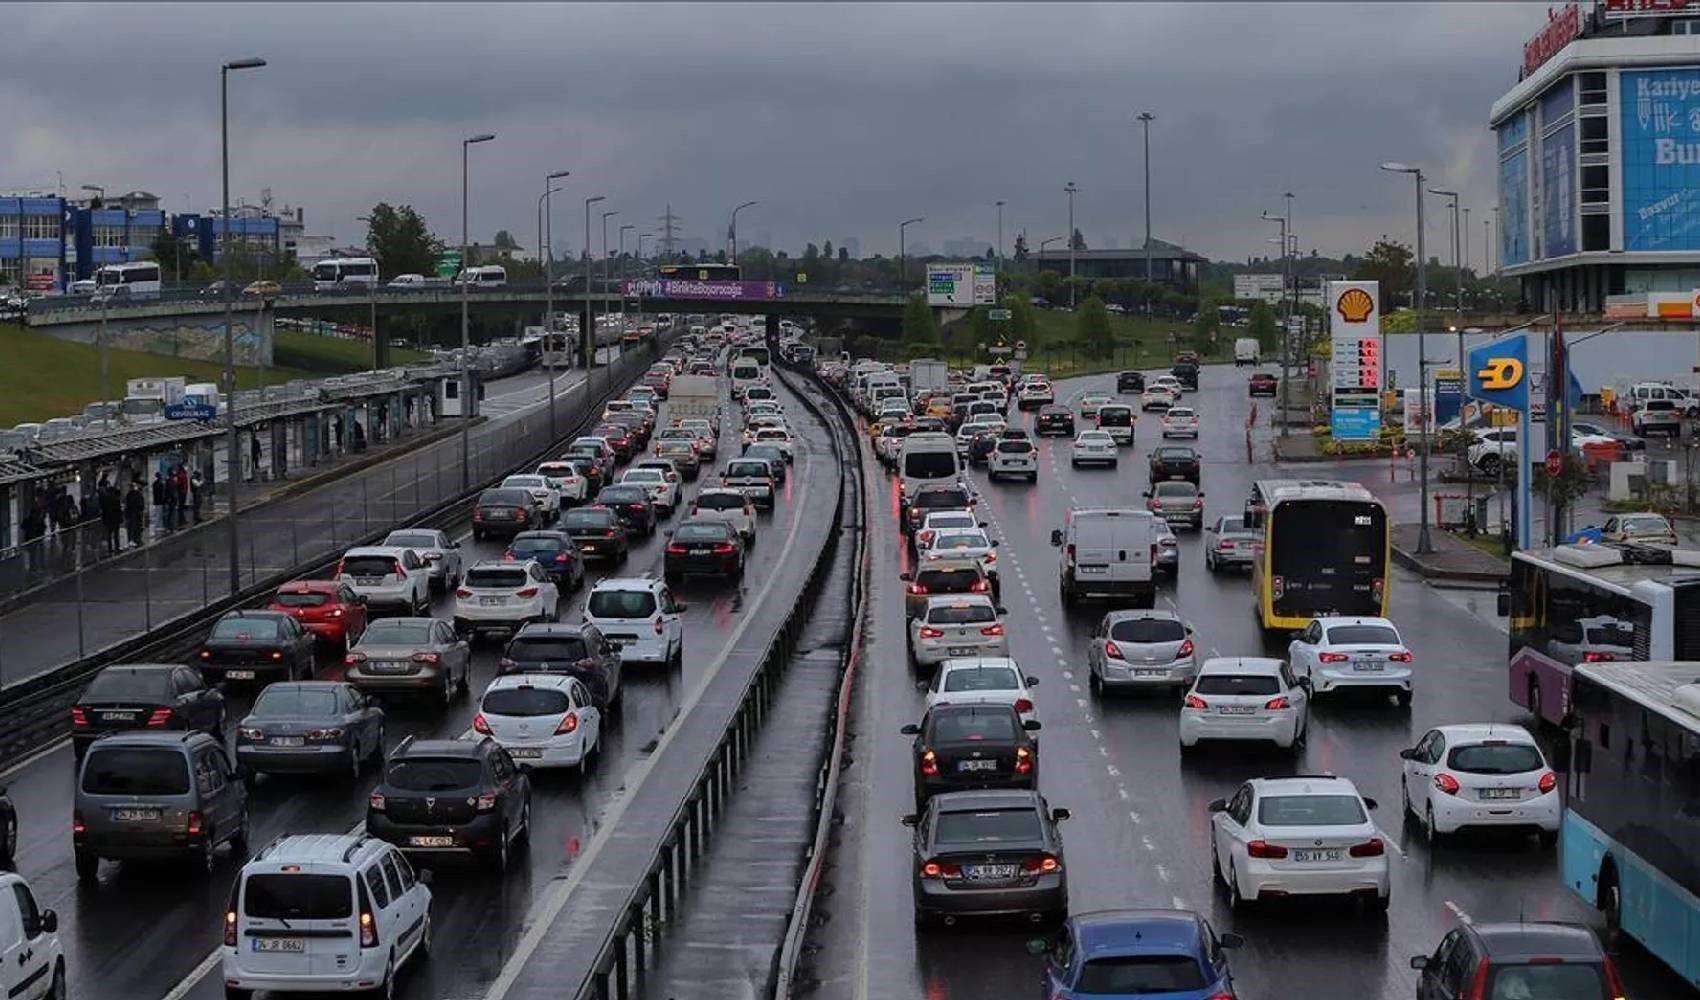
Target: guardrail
654	899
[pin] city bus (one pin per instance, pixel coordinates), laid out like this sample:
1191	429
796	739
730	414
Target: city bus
1326	549
1577	604
343	272
703	271
139	279
1631	830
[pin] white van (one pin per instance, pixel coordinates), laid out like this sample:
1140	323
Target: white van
1107	551
745	373
1245	351
34	961
927	458
324	913
487	276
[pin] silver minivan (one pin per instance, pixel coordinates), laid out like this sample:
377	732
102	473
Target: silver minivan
154	795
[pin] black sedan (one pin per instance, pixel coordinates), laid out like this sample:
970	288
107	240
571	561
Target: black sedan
258	646
598	532
311	727
556	551
980	448
145	696
631	505
1130	381
505	512
707	546
1054	419
1175	462
985	853
967	746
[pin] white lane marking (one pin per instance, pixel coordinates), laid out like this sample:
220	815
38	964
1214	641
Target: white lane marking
1180	904
1392	845
1162	873
194	977
1134	816
38	755
1146	843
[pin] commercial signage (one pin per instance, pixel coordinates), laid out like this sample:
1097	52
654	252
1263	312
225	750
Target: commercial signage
961	285
44	282
1649	8
1448	394
1661	159
448	263
1563	26
1498	372
1268	287
1354	316
1414	413
1558	192
718	291
191	411
999	315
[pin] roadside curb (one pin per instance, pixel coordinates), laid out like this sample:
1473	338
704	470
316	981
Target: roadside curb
1442	576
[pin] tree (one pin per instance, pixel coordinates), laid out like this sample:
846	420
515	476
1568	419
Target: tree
400	241
1050	283
826	250
1204	327
1077	241
504	240
1020	317
844	255
1020	252
1390	263
1092	329
919	330
175	255
1261	325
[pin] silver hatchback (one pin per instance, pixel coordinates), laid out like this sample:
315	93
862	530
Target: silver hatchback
1142	649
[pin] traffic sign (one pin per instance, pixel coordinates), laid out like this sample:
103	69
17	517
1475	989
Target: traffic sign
191	411
999	315
1555	463
802	278
1021	345
448	263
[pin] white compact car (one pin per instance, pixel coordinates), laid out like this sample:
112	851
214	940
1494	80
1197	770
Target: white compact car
1357	653
1141	649
779	437
1034	394
1157	397
1480	776
542	489
639	612
956	625
1013	458
1245	698
1180	421
566	479
963	543
1090	402
504	595
663	492
1309	835
1093	448
731	506
388	577
983	680
542	720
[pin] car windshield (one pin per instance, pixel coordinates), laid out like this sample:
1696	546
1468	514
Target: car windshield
1095	438
524	483
297	896
962	540
1115	416
1174	454
1494	758
1147	630
135	771
525	701
434	774
1310	810
621	604
583	518
748	470
1230	684
1176	490
1136	974
544	648
973	726
258	629
536	546
1657	524
1355	635
929	464
946	581
396	632
301	599
130	685
1547	981
701	532
293	702
496	577
720	501
373	565
991	826
941	521
1014	447
411	540
961	614
981	679
676	448
942	499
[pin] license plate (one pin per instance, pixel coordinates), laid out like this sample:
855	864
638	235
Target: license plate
118	716
989	873
489	601
296	946
1090	569
587	548
287	741
525	753
962	651
976	765
239	675
1149	672
135	815
368	581
702	552
1369	665
1311	855
431	841
1499	793
1236	709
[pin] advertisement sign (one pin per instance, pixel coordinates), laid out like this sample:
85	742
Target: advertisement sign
1514	208
1354	424
1268	287
1498	372
1415	417
1354	316
1558	192
1661	159
985	286
961	285
45	282
719	291
1448	395
1563	26
191	411
1650	8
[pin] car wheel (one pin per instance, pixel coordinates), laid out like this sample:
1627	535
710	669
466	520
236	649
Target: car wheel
56	990
1535	700
88	865
1095	683
1235	900
524	834
1403	698
1405	799
499	856
425	938
1430	830
239	839
233	993
376	755
206	859
676	661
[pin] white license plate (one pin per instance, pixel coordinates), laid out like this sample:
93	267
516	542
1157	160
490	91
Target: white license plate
287	741
368	581
135	815
1499	793
1149	672
489	601
989	873
525	753
1369	665
431	841
296	946
239	675
1236	709
118	716
1311	855
962	650
1091	569
976	765
587	548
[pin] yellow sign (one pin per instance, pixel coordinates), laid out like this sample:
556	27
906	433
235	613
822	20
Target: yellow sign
1355	305
1501	373
802	278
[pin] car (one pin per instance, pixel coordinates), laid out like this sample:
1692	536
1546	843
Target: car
981	446
590	477
256	646
441	798
578	650
1262	384
684	455
1090	402
943	520
754	478
1180	421
1034	394
146	696
963	543
542	490
1139	650
663	493
619	438
923	500
1246	698
631	503
967	746
1305	835
1656	416
1172	954
596	450
316	888
1228	542
1186	372
1523	959
1130	381
1492	449
642	616
1180	503
1645	527
311	727
599	533
709	546
29	937
1093	448
1013	458
1054	419
1168	551
387	577
410	656
556	551
1175	462
1156	397
1588	430
440	553
961	575
1356	653
982	680
985	853
262	289
956	625
505	512
503	596
1117	420
707	434
771	454
152	796
1481	776
542	720
732	506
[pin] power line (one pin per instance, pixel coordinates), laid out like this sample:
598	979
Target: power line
668	225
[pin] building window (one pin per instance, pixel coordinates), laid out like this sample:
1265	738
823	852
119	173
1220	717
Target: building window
1593	87
144	237
1596	185
108	236
1594	135
1596	233
41	227
10	269
8	227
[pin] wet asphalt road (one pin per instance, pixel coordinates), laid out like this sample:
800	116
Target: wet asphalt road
152	931
1139	832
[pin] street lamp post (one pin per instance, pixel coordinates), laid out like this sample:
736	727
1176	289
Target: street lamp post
466	393
1458	328
607	273
1070	189
1281	221
372	298
1424	545
587	333
622	259
902	253
1000	237
100	340
1146	118
547	246
232	447
732	232
1464	248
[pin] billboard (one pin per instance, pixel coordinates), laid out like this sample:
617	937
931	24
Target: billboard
1558	192
1514	208
961	285
718	291
1563	26
1354	317
1650	8
1660	119
1270	288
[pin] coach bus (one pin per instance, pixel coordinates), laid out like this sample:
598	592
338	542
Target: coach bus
699	272
336	273
138	279
1326	549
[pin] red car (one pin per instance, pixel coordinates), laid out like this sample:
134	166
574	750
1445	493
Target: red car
1261	384
327	609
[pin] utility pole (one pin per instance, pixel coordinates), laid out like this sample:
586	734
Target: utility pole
587	331
546	248
232	442
1465	230
1458	328
902	253
468	397
607	272
1424	544
1070	189
1000	238
623	229
1146	118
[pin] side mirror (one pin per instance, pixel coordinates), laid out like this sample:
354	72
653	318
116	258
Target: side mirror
1200	493
1002	610
1038	946
1231	940
983	524
1031	682
1409	753
681	606
911	819
911	729
994	543
905	577
1305	684
1218	805
1145	493
49	921
1370	803
1032	725
1419	961
1059	814
1056	536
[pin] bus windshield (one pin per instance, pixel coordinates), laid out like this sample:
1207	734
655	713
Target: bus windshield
1327	557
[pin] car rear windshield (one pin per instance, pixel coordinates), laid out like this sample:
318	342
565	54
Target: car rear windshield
135	771
130	685
1237	684
714	532
1175	490
1015	447
496	577
394	632
1148	630
246	628
721	501
1354	635
961	540
297	599
974	726
676	448
1645	524
623	494
411	540
368	565
930	464
1495	758
531	649
1547	981
298	896
961	614
588	519
1138	974
434	774
1174	454
1115	416
1309	810
526	701
536	546
621	604
942	499
750	470
991	826
947	581
982	679
504	498
288	702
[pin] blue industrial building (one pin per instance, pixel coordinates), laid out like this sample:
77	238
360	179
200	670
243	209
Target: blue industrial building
32	242
113	236
259	234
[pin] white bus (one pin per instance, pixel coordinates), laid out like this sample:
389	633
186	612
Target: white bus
138	280
485	276
341	272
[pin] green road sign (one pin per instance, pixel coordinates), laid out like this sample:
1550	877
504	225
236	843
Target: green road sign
448	263
998	315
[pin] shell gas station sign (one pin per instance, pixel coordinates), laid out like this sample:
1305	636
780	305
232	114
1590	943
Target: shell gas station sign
1354	316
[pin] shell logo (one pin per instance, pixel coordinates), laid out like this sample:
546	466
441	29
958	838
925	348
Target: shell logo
1355	305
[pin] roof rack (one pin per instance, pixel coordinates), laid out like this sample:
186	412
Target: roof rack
359	842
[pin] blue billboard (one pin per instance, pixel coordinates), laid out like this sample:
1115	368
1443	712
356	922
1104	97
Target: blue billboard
1514	208
1660	118
1558	193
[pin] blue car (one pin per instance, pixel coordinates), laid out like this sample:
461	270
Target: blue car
1144	954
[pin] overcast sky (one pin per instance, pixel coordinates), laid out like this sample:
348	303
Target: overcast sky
840	120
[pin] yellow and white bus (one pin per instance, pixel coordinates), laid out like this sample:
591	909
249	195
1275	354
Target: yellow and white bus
1326	549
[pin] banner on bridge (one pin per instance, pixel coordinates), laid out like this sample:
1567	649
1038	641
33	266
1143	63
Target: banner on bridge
717	291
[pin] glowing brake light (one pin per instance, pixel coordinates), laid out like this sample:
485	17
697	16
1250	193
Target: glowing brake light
940	869
1446	783
1195	702
1548	782
980	587
569	723
487	802
1399	657
928	632
480	724
368	929
1043	864
917	588
1371	848
1595	656
230	928
1332	657
1186	648
675	549
1274	704
160	718
1112	650
929	763
993	629
79	718
527	592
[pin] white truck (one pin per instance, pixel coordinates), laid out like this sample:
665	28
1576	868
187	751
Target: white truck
1245	351
145	399
694	396
928	375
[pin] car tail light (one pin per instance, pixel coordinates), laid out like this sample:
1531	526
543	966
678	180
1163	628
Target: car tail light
277	655
427	658
1023	760
928	632
1478	985
980	586
940	869
375	802
354	658
206	654
1194	701
610	533
506	663
1399	657
675	549
509	557
528	593
1112	650
335	613
230	928
1548	782
569	723
1186	648
79	718
398	569
325	734
1332	657
1023	706
487	802
563	557
929	763
657	625
991	557
914	513
725	549
368	929
917	588
1151	504
1446	783
1226	543
196	824
1371	848
160	718
1042	864
1198	503
1277	703
520	514
78	827
477	515
1614	982
462	593
1264	849
994	629
1595	656
480	724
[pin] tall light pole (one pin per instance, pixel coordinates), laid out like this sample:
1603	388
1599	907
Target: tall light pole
587	333
1423	543
1070	189
100	340
732	232
372	298
902	252
1465	230
232	447
1458	326
1000	237
1286	319
548	248
1146	118
466	392
622	259
607	273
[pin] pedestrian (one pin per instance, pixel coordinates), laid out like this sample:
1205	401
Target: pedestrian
359	436
111	515
34	526
50	510
336	430
197	486
134	508
254	454
181	492
158	497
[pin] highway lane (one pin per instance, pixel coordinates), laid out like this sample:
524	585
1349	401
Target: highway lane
152	931
1138	835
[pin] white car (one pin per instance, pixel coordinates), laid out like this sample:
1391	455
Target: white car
1180	421
1157	397
388	577
1492	449
779	437
1245	698
541	720
982	680
1090	403
439	552
1034	394
732	506
1339	653
956	625
1141	649
564	476
639	613
663	492
1093	448
971	428
1480	776
963	543
1013	458
1309	835
707	434
943	520
1171	383
763	408
34	966
1646	528
504	596
542	489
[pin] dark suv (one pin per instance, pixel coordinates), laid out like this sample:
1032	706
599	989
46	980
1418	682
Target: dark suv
1187	372
147	696
1175	462
927	499
1517	960
1054	419
1130	382
442	798
580	650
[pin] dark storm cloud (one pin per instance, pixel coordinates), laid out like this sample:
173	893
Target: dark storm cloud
840	120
